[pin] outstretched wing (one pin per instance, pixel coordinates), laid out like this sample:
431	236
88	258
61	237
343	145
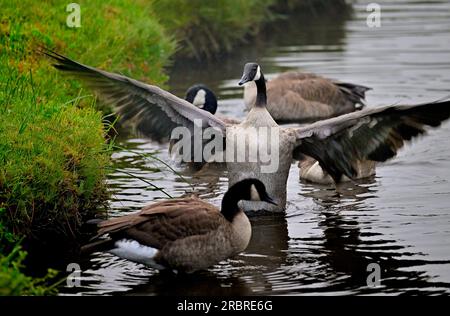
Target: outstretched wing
152	111
371	134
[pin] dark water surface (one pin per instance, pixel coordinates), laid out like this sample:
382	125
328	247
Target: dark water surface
400	219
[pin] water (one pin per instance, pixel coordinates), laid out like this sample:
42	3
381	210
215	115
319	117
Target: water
400	219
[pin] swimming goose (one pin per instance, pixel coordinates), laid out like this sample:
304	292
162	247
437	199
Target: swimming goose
337	143
184	234
306	97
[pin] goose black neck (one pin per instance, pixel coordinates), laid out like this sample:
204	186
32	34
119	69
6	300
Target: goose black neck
261	96
230	201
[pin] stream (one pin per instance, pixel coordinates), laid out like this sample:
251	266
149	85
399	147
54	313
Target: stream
400	219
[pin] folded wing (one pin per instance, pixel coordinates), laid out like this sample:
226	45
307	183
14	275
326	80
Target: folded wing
164	222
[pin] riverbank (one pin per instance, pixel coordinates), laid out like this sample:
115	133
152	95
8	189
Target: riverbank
207	30
53	149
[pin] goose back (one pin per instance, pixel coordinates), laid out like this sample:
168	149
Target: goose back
304	97
188	234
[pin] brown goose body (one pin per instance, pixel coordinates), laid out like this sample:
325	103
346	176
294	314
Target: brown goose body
188	234
183	234
305	97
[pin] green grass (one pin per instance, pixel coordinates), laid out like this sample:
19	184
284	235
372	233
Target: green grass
14	282
52	158
115	35
53	154
212	28
12	279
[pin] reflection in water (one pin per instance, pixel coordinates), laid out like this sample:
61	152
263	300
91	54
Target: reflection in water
398	219
328	195
345	251
197	284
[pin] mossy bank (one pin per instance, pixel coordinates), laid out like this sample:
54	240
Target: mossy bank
54	151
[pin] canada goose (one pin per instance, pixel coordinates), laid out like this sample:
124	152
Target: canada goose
306	97
338	143
310	170
184	234
200	96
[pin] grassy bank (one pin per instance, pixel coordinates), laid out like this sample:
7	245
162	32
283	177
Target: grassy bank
212	29
53	152
206	29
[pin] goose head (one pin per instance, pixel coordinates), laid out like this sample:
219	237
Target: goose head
253	73
202	97
244	190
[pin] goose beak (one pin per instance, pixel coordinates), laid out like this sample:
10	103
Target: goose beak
269	200
244	79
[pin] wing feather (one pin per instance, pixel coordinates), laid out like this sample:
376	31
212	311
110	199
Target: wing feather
164	222
151	110
371	134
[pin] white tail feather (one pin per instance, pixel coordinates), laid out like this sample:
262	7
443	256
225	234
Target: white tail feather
134	251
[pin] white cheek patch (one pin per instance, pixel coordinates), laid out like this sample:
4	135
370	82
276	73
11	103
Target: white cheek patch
258	74
254	195
200	98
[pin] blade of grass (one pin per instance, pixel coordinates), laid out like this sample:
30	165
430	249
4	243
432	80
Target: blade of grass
142	179
157	159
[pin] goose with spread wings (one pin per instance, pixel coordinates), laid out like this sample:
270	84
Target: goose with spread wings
345	97
337	144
